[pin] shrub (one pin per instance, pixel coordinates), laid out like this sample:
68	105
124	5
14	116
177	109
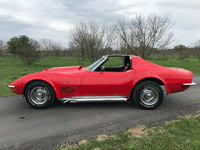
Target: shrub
29	53
16	43
182	51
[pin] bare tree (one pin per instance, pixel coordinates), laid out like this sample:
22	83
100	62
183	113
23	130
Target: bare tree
143	34
57	48
78	40
49	45
46	44
92	39
2	47
197	48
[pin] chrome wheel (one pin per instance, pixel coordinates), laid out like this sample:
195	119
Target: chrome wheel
39	95
149	95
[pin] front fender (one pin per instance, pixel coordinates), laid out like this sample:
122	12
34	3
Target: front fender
56	90
22	83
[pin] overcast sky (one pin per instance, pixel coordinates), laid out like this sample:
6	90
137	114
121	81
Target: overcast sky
51	19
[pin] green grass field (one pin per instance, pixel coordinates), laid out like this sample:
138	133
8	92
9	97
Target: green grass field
12	69
182	134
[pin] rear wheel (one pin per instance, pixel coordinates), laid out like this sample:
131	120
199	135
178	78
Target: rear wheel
148	95
40	95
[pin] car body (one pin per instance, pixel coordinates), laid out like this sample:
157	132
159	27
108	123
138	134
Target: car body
135	80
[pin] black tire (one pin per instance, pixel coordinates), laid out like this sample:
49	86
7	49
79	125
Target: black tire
148	95
40	95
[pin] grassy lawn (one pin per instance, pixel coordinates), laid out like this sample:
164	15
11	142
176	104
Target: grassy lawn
12	69
180	134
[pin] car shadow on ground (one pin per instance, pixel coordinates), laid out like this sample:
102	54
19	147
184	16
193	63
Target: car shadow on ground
95	105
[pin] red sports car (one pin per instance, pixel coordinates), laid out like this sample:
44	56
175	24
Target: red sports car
111	78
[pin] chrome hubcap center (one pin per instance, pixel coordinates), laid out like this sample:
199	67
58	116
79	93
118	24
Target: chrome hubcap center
39	95
149	96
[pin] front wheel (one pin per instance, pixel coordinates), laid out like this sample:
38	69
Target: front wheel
148	95
40	95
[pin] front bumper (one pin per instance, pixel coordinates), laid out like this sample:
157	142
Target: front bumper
11	86
190	84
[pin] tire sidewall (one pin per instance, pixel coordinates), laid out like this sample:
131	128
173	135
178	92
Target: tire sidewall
140	87
48	88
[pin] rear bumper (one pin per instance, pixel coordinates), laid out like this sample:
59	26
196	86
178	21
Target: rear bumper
190	84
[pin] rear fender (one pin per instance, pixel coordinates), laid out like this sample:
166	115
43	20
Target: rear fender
155	79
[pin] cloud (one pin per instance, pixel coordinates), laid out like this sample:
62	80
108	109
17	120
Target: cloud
56	36
185	37
132	7
184	14
59	25
53	18
31	18
40	13
180	5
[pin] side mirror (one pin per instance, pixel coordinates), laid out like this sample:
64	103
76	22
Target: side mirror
102	69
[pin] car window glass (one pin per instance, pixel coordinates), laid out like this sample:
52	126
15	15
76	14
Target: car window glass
114	62
92	66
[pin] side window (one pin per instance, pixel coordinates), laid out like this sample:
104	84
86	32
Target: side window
114	62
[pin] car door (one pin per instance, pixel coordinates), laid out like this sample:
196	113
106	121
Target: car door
107	83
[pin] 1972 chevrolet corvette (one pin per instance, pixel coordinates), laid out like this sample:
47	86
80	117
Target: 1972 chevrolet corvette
111	78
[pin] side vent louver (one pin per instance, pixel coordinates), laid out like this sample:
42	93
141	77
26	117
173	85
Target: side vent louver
67	89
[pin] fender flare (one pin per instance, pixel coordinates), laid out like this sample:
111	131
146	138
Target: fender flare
155	79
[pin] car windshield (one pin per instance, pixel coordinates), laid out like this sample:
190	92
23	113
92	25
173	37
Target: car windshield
95	64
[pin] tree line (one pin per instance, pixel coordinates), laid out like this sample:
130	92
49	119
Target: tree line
141	36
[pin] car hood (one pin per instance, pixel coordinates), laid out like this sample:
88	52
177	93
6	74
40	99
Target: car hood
63	69
48	73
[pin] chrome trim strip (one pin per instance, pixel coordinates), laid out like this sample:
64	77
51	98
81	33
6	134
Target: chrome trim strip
117	55
189	83
11	86
93	99
130	63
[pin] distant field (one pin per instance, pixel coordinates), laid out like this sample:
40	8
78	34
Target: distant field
12	69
